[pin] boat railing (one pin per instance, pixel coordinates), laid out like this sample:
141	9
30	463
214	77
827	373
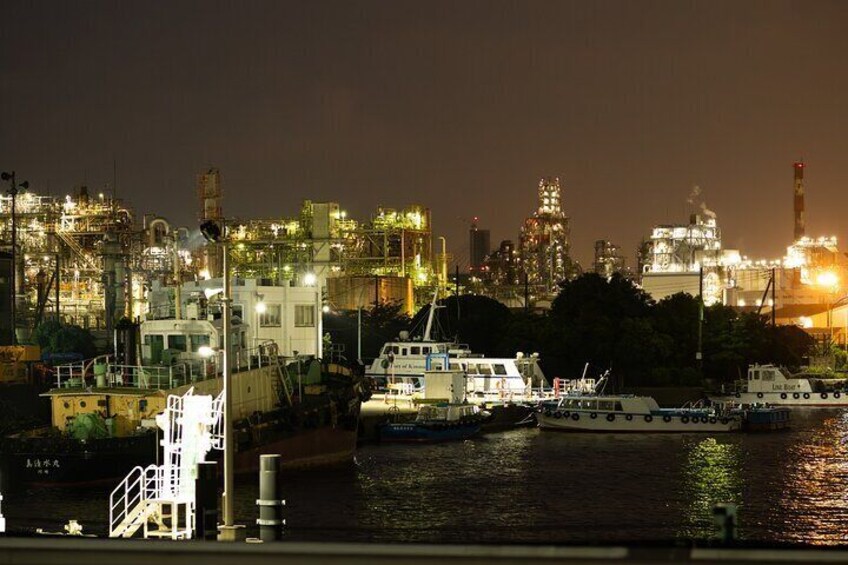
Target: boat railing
102	372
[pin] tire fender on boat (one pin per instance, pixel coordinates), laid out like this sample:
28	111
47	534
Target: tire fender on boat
649	418
806	396
783	396
610	417
629	417
759	395
666	419
557	414
795	395
684	419
724	420
712	420
593	415
575	416
824	396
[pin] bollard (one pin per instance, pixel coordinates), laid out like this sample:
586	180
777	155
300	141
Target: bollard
206	501
270	506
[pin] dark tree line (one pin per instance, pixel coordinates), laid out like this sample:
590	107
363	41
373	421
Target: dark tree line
610	324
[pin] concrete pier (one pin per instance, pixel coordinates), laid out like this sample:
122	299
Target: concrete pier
60	550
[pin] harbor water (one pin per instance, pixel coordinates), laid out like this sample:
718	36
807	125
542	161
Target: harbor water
527	486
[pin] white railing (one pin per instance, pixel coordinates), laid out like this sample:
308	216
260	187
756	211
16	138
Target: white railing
140	485
82	374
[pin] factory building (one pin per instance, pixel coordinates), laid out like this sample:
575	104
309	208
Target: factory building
608	258
544	244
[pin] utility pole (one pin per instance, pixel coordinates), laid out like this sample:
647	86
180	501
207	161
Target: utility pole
773	298
699	355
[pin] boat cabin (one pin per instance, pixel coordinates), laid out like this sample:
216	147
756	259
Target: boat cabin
769	378
606	404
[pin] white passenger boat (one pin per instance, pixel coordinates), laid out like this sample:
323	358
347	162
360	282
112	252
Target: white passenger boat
588	411
405	362
768	384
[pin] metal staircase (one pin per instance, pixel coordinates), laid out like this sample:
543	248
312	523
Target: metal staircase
159	499
77	249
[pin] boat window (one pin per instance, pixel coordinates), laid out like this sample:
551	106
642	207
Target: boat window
425	350
485	369
500	369
618	407
455	367
606	405
472	369
404	351
198	341
415	350
157	344
756	375
395	349
178	342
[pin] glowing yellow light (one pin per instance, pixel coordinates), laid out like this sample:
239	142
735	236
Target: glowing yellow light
805	322
261	308
204	274
828	279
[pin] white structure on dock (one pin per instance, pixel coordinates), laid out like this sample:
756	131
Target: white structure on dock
164	494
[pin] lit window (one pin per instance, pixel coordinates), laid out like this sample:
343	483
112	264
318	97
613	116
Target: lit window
304	316
270	318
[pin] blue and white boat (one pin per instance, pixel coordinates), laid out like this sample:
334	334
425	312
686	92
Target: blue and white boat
583	410
437	422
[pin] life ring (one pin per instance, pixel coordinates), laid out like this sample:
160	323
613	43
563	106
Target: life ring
836	395
796	396
610	417
759	395
575	416
806	396
666	419
557	414
565	414
593	415
649	418
783	396
712	420
824	396
684	419
724	420
629	417
704	419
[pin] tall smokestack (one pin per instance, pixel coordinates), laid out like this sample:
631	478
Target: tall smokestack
799	200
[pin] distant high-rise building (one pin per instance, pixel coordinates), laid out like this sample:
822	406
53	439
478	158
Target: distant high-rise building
608	258
478	245
501	266
544	243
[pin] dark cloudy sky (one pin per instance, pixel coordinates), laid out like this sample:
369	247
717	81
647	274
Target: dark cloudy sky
458	105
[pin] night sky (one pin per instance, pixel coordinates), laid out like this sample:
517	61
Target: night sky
460	106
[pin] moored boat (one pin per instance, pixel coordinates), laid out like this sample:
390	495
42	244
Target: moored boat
436	422
768	384
582	408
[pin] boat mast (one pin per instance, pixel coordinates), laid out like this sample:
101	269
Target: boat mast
430	316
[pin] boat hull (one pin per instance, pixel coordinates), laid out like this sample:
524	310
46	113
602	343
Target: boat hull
636	423
55	462
414	432
803	399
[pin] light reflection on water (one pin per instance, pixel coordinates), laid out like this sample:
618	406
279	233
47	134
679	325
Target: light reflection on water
527	486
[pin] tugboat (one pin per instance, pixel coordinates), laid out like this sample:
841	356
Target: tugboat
584	409
435	423
103	412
